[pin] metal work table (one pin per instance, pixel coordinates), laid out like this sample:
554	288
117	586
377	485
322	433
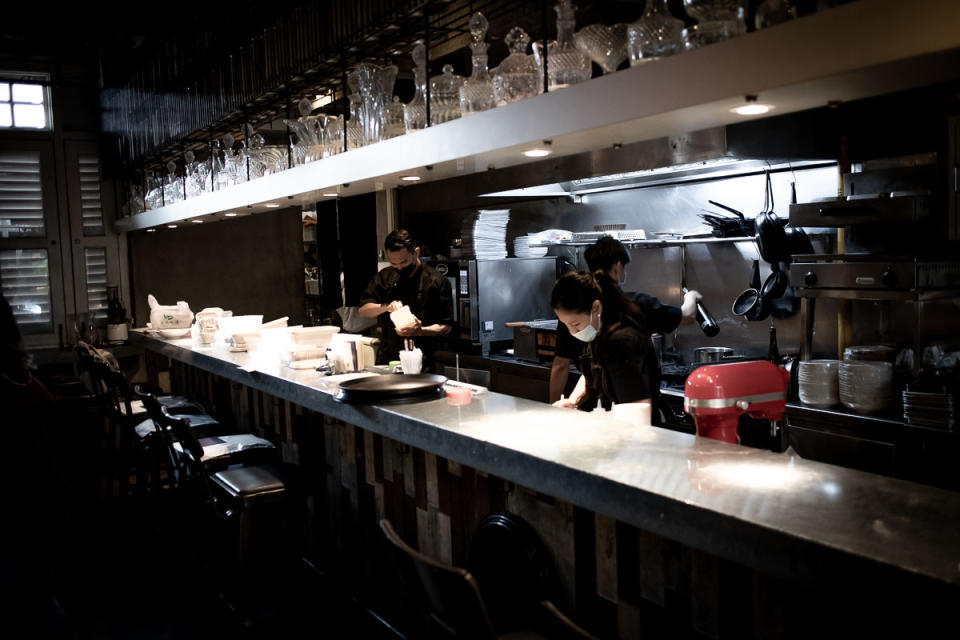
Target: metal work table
796	519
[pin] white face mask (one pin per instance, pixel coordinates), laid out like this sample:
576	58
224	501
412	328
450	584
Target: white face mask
588	333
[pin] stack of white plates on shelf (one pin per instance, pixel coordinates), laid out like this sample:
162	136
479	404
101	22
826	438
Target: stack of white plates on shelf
819	382
487	234
928	409
866	387
522	248
870	352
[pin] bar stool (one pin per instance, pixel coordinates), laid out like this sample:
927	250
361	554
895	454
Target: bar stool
257	502
455	605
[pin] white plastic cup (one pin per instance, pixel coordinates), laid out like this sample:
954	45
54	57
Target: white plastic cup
411	361
637	413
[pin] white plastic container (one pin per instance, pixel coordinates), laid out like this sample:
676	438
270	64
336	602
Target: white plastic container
313	336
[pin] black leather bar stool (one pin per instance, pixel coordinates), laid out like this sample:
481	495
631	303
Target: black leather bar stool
257	503
455	604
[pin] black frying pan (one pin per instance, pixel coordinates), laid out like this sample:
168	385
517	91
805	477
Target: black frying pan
392	388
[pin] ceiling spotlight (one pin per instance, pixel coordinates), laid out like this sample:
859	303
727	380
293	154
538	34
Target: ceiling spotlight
197	221
536	153
329	195
151	230
410	178
271	205
171	226
752	107
230	214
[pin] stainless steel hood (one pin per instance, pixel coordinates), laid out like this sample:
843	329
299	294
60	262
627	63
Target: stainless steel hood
720	152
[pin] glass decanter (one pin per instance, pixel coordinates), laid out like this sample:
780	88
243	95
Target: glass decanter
154	197
476	94
566	64
136	202
173	189
518	76
607	46
657	34
301	129
333	136
415	112
231	173
445	96
716	20
355	121
194	174
393	124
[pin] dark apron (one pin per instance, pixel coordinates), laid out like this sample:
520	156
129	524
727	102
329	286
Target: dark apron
599	386
390	343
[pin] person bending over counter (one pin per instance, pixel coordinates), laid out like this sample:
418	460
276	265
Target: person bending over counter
609	255
408	281
618	363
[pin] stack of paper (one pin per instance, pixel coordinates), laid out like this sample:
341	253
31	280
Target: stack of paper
486	234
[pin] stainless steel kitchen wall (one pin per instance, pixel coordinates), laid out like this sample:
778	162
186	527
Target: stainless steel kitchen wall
719	271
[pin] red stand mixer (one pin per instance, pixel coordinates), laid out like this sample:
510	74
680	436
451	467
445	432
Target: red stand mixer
717	395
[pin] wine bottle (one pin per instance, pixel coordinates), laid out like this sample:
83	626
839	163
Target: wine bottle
116	316
707	324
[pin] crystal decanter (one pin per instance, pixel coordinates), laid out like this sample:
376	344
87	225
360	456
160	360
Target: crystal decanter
445	96
518	76
566	64
415	113
393	122
476	94
657	34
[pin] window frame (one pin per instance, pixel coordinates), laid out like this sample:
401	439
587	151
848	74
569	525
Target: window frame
35	78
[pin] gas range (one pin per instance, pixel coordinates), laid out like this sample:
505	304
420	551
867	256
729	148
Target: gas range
873	271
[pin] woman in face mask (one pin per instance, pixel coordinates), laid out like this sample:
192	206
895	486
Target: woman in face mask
618	363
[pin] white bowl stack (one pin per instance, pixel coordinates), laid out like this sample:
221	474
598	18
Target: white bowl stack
819	382
866	387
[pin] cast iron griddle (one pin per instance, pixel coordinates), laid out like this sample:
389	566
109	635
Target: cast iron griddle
392	388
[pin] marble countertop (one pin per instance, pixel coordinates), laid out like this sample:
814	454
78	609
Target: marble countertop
798	519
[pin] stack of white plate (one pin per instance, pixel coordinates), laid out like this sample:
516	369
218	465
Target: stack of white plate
928	409
522	248
870	352
866	387
819	382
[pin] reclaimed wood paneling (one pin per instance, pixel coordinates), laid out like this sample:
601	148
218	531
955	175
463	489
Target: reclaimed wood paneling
618	581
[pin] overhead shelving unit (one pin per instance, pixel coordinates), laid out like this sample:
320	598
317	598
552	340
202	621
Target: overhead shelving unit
859	50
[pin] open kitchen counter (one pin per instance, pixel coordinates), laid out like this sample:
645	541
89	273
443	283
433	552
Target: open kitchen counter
795	519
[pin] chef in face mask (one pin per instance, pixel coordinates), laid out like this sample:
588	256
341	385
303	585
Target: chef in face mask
610	256
618	362
411	283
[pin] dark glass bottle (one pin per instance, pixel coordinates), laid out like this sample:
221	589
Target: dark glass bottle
707	323
773	354
116	314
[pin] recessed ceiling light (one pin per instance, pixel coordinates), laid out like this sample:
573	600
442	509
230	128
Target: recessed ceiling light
197	221
536	153
410	178
171	226
230	214
270	205
330	195
151	230
752	109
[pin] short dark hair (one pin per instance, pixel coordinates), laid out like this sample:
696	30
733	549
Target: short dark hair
399	239
604	253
